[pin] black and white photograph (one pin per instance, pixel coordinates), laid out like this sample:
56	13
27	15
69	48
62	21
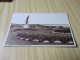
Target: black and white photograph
40	29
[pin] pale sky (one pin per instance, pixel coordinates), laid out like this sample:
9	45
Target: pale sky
40	18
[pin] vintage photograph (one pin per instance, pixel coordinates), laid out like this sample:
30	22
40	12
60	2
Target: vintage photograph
31	33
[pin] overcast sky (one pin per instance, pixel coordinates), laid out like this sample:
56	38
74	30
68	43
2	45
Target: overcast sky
40	18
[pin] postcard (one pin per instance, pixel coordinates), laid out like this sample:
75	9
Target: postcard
40	29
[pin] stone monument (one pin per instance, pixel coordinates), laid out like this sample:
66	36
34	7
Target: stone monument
26	23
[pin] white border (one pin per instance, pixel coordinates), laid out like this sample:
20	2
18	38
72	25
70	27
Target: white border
40	45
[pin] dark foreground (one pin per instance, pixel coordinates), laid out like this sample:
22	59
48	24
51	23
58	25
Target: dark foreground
39	35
